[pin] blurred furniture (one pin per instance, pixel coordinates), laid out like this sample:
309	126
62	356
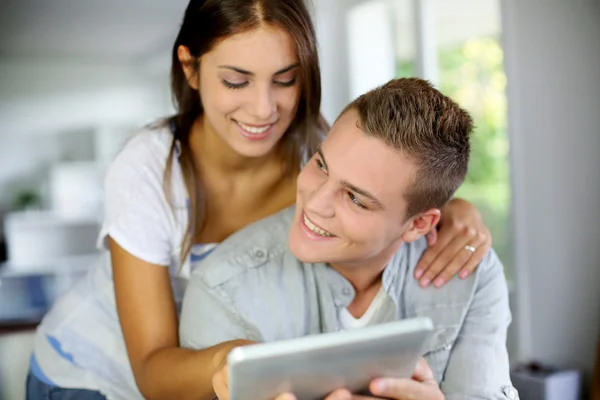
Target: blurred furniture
27	294
535	381
35	239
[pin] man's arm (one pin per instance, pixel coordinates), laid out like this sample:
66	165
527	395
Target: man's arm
208	317
478	367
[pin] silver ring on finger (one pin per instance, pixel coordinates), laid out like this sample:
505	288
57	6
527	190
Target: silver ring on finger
470	249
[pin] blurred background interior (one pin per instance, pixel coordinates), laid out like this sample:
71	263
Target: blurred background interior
79	77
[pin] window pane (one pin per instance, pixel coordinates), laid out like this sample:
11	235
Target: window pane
404	38
372	61
463	41
471	71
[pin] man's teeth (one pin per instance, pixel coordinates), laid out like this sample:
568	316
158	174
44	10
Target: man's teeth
254	129
315	228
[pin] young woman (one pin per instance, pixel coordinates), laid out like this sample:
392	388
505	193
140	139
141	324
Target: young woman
246	82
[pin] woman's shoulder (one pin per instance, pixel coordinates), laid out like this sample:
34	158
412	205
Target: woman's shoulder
141	164
152	140
145	152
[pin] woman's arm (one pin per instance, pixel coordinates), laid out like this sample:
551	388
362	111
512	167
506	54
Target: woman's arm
461	226
148	318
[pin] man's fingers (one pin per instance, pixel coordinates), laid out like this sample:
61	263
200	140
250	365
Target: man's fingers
423	372
285	396
406	389
340	394
422	386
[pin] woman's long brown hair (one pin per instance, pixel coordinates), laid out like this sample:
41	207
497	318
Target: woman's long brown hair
204	24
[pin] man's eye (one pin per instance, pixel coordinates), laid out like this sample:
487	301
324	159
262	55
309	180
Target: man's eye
356	201
321	165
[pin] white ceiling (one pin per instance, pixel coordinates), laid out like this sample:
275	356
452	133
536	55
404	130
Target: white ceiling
125	31
107	30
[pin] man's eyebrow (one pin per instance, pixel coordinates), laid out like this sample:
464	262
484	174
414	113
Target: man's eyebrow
245	72
364	193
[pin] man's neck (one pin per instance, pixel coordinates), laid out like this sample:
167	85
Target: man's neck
366	278
364	274
362	278
366	281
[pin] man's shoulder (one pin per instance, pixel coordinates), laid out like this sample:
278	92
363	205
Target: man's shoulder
457	292
256	245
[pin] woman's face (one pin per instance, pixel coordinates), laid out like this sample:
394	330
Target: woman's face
249	88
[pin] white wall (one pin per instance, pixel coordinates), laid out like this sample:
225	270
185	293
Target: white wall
330	25
45	96
48	106
371	47
25	159
552	51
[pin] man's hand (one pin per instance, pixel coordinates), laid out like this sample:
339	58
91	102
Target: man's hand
422	386
220	379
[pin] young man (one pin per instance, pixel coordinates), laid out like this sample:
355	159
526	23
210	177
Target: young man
344	256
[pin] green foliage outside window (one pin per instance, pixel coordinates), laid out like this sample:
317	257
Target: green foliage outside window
472	74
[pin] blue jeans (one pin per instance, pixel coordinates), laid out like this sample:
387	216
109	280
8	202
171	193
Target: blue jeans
38	390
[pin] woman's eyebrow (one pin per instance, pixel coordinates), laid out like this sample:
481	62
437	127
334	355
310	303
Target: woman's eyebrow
246	72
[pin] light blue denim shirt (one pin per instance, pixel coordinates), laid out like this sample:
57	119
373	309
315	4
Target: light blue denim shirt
252	287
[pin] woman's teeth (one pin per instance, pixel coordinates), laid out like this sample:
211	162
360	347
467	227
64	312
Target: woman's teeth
315	228
254	129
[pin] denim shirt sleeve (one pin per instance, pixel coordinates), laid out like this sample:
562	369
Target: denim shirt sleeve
478	367
219	298
208	317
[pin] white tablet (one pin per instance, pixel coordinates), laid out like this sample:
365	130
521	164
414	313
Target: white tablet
313	366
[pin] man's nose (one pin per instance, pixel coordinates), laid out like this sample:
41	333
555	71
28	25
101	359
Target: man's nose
320	201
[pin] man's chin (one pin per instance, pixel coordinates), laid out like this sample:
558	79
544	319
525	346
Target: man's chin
305	253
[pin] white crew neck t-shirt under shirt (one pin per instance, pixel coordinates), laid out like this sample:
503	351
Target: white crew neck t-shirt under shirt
79	343
380	310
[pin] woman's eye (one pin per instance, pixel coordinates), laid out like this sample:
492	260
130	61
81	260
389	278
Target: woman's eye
355	200
232	85
289	83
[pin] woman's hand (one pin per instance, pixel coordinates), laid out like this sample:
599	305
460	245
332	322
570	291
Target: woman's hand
458	247
220	380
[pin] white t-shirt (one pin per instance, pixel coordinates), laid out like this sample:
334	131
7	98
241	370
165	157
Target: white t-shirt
380	310
79	343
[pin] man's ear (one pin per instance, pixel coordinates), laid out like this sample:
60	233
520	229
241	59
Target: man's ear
188	63
421	224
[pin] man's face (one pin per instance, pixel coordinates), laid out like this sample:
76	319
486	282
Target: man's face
350	209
